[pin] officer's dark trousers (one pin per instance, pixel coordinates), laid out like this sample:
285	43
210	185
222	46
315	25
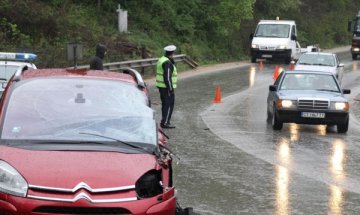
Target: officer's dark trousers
167	104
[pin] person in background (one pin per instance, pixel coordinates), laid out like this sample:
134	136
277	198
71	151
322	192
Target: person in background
96	62
166	81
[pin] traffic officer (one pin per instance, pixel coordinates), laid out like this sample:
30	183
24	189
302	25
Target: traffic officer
166	78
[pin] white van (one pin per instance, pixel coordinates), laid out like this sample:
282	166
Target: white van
275	39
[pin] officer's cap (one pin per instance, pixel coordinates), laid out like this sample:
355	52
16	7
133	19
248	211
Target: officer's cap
170	48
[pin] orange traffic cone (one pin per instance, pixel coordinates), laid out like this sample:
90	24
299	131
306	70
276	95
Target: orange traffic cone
261	65
291	66
276	72
217	98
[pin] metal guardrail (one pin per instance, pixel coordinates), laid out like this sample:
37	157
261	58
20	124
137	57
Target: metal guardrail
143	63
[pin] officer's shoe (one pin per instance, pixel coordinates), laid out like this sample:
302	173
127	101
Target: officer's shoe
167	125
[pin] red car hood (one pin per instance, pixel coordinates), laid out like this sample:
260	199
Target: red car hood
66	169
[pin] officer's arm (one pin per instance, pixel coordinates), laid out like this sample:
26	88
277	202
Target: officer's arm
168	70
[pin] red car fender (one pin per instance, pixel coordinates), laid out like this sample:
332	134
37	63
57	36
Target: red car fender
6	206
168	207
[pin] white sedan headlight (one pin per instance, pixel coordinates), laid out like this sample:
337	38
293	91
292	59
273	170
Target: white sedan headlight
11	182
342	106
284	103
254	46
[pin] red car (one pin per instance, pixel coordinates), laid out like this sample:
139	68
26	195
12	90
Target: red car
82	142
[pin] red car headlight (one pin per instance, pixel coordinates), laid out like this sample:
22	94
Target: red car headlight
149	185
11	182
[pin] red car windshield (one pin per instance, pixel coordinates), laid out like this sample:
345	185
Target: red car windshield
74	108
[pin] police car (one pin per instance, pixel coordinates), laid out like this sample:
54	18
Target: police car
10	63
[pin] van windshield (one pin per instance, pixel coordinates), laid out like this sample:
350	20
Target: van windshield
357	25
273	30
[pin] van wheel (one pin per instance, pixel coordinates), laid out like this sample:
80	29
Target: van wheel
288	60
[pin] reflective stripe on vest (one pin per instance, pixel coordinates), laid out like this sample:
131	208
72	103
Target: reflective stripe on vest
160	73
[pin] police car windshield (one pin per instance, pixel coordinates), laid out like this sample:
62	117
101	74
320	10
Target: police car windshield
6	71
62	109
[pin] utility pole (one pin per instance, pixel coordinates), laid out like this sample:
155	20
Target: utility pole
122	19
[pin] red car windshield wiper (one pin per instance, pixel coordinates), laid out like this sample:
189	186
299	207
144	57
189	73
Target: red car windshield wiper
138	148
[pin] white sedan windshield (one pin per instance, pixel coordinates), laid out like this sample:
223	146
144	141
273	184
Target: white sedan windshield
317	59
71	109
309	81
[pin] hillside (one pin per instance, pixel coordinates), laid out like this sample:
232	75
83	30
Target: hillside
208	31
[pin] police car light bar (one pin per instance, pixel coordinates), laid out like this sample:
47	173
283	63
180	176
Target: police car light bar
17	56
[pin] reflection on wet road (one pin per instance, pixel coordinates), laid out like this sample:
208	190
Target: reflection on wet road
337	169
242	166
282	178
252	76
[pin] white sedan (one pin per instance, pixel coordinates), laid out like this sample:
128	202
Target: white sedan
321	61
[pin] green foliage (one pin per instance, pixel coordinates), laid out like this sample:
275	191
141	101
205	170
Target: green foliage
206	30
200	28
274	8
325	22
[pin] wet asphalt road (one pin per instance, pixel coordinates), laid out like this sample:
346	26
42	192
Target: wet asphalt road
232	162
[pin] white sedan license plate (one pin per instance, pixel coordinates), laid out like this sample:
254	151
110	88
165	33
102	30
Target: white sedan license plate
312	115
267	56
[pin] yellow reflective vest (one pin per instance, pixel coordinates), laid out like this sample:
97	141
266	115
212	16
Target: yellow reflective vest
160	73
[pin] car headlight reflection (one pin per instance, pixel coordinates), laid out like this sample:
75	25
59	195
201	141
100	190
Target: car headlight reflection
285	103
11	182
342	106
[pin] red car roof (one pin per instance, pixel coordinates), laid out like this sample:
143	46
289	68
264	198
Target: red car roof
36	73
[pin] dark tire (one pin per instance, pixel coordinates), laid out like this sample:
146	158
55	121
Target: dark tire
354	56
276	124
184	211
268	117
343	127
288	60
253	59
